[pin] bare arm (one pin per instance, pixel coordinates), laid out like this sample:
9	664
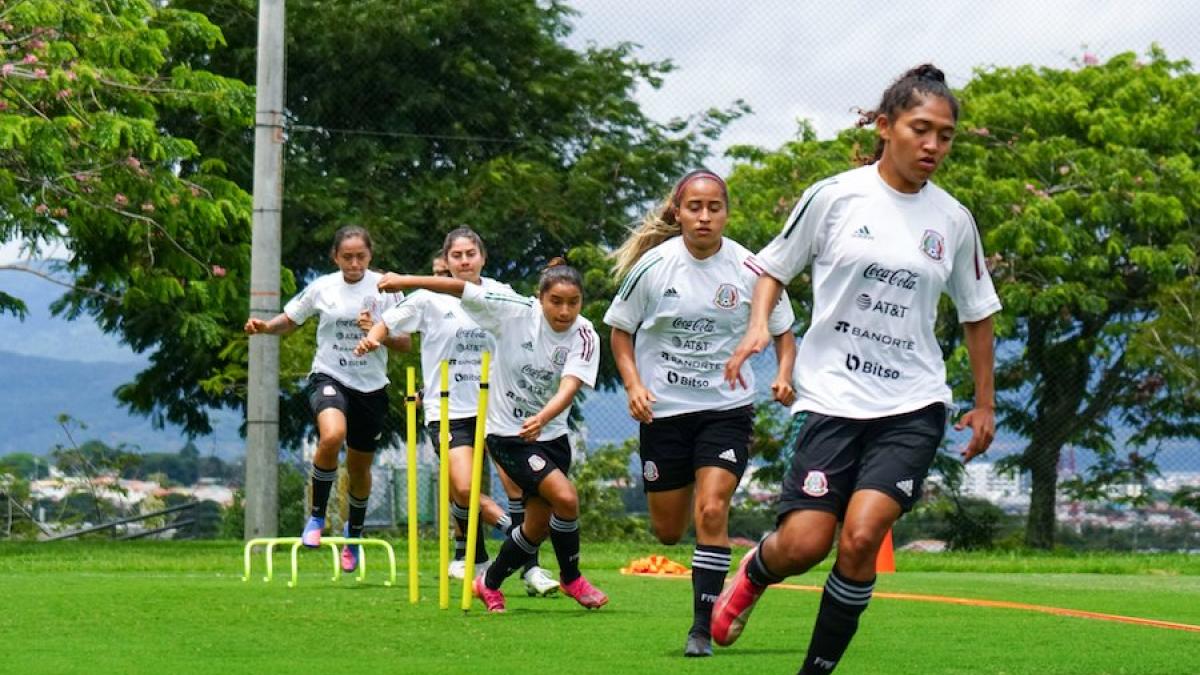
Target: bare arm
278	325
785	357
374	338
980	341
766	294
567	388
641	401
392	282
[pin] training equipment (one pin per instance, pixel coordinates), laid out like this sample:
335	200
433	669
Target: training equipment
885	561
734	605
476	480
269	544
443	519
410	409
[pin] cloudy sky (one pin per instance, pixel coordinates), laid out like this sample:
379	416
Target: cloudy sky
818	60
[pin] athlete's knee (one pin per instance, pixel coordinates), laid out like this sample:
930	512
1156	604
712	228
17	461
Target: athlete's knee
802	551
567	506
331	442
858	546
712	514
667	533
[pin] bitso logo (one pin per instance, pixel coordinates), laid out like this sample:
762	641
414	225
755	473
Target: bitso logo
852	362
815	484
536	462
727	296
560	356
650	471
933	245
857	365
863	301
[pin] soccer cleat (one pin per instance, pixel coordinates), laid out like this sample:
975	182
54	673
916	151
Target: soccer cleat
457	569
585	593
349	553
311	537
539	583
733	607
493	600
698	644
481	568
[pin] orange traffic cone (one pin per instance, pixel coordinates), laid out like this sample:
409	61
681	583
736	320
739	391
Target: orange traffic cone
885	562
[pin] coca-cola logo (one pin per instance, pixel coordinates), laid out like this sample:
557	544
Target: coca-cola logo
701	325
900	278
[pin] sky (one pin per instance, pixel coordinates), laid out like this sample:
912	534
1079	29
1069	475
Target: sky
818	60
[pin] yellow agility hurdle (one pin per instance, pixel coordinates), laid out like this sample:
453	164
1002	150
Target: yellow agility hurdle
476	483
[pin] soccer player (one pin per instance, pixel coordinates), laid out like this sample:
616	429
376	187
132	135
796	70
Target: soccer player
883	243
686	298
547	354
348	394
450	333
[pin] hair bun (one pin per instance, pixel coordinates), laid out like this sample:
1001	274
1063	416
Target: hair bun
555	262
927	71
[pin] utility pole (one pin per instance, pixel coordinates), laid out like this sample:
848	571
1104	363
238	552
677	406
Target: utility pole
262	403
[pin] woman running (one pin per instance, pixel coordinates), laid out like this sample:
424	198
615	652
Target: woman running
686	298
884	243
546	354
347	393
450	333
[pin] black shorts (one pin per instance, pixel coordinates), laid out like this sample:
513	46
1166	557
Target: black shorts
673	448
528	464
462	432
835	456
364	411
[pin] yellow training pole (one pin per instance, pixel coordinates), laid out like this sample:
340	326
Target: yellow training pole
410	409
444	492
476	483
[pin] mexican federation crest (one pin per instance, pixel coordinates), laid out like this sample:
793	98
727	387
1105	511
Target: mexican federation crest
933	245
727	296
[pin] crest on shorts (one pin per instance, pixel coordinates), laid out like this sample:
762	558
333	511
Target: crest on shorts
536	462
650	471
727	296
560	356
815	484
933	245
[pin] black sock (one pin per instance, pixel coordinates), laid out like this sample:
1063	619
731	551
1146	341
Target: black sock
516	512
461	517
460	547
358	514
757	572
710	564
322	483
512	555
842	603
481	554
564	534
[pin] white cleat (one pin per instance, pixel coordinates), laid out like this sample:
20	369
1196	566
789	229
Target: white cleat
457	569
538	582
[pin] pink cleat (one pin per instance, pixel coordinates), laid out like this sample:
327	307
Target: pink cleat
585	593
312	532
493	600
733	607
349	554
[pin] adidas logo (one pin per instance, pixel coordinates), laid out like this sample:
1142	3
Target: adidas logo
729	456
671	293
905	486
528	345
449	315
863	233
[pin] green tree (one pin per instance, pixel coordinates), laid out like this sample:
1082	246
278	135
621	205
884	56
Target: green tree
1084	186
156	235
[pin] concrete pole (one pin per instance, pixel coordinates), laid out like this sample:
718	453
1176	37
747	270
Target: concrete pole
262	404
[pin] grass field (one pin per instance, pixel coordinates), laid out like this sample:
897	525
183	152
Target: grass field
181	607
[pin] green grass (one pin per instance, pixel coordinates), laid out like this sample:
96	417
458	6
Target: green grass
182	607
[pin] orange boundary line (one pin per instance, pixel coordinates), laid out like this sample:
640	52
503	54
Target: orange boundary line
971	602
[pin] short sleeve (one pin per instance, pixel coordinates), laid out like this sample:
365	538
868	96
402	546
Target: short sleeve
632	302
491	309
301	308
782	317
970	284
406	315
583	361
799	242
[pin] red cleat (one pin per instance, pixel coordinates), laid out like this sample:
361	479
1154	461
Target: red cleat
585	593
733	607
493	600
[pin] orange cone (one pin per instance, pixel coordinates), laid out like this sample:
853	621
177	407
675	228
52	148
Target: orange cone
885	562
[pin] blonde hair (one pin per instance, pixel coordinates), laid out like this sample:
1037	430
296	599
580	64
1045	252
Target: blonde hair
659	225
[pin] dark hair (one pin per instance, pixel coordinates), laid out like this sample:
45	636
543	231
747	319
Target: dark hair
557	271
924	80
463	233
349	232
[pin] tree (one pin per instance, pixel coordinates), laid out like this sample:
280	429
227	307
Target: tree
156	236
1083	184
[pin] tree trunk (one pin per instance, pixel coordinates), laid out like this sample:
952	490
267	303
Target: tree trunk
1039	529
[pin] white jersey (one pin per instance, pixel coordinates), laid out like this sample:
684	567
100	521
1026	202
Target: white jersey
338	304
447	333
531	359
880	261
688	316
